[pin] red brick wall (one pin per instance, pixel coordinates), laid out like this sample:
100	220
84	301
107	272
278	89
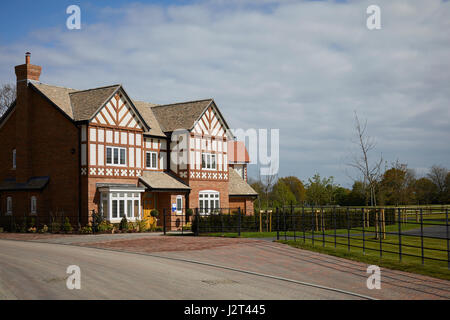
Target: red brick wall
197	186
246	204
51	143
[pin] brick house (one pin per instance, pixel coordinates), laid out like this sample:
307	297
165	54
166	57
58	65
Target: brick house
77	151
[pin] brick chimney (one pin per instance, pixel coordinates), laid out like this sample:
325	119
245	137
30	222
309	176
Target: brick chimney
24	73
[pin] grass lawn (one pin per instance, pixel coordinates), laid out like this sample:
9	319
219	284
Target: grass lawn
389	228
410	263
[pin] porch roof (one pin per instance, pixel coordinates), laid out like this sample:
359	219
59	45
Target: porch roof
238	186
162	181
34	183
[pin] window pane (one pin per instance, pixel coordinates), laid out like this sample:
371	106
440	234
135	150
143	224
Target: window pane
179	204
208	161
105	208
130	208
213	160
203	161
136	208
217	204
116	156
147	160
122	156
154	160
122	208
108	155
114	208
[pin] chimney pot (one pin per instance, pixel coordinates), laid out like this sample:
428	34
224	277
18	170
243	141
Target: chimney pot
27	57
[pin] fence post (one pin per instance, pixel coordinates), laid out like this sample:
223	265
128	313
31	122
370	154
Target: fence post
197	225
323	226
334	222
284	223
239	221
448	240
421	236
164	221
278	224
303	223
364	230
380	235
293	219
399	235
348	228
312	225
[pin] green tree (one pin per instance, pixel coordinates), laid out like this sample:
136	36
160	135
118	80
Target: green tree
397	185
282	194
320	191
358	195
425	191
297	188
341	196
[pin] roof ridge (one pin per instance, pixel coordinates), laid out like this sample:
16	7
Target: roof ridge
176	103
52	85
91	89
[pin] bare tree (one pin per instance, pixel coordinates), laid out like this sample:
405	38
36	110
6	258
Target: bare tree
438	175
371	171
7	97
267	182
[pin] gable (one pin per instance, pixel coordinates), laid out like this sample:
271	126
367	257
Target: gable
118	112
210	124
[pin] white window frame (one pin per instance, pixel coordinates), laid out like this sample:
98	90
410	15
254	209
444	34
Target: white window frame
208	163
9	206
179	208
14	159
119	158
33	203
121	196
208	200
152	154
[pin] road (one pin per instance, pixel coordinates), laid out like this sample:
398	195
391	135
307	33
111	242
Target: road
32	270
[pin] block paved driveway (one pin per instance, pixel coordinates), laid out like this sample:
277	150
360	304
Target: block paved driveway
264	258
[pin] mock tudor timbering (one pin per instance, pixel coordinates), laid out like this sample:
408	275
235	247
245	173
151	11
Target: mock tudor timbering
67	142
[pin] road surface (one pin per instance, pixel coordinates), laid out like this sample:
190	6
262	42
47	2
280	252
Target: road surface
31	270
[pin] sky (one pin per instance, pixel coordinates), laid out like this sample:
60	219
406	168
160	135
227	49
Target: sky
303	67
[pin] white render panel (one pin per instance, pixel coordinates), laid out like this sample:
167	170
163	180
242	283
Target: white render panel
155	144
101	155
148	143
138	139
225	162
197	143
92	134
83	154
138	158
163	144
92	154
219	146
225	144
116	137
101	135
131	157
214	145
109	136
219	162
125	120
101	118
122	112
131	139
108	117
197	160
123	137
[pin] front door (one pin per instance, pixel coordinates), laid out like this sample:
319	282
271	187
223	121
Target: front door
148	203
